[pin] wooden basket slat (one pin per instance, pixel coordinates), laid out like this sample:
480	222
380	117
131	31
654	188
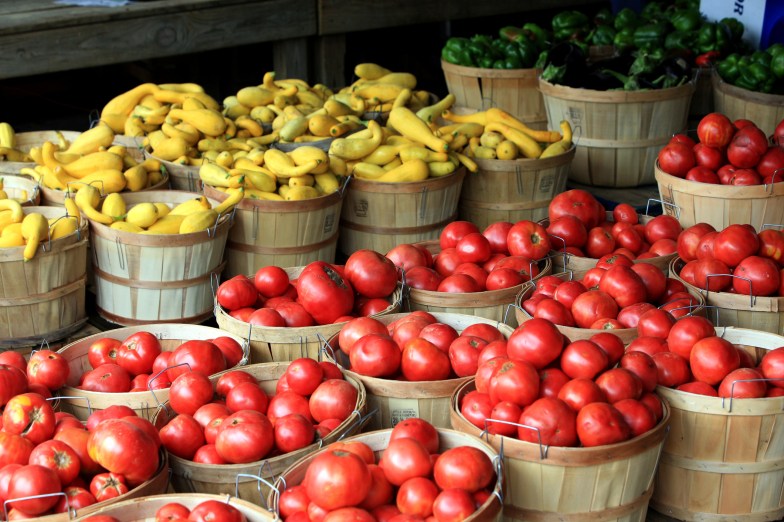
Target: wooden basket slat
513	90
618	134
605	483
724	458
44	297
378	441
22	188
192	477
512	190
379	216
721	205
281	233
396	400
765	110
26	141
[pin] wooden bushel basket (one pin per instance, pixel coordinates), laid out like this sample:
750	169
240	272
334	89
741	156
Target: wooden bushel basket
43	299
513	90
765	110
724	458
144	509
395	400
599	484
722	205
378	216
82	402
23	189
761	313
26	141
513	190
161	278
155	485
489	511
627	335
282	233
242	479
281	344
618	133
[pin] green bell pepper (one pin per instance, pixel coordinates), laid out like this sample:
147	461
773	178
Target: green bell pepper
570	25
537	35
755	77
735	27
679	40
456	51
650	36
775	49
652	11
644	63
624	39
714	36
527	52
511	33
777	65
601	35
686	20
626	18
728	68
761	57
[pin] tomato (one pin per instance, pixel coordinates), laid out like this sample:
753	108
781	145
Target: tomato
171	512
304	375
293	499
405	458
416	496
464	467
566	231
568	291
647	344
745	177
625	213
701	174
683	138
230	379
516	381
137	352
476	272
247	396
14	449
34	481
333	399
209	412
548	421
293	314
644	367
103	351
375	355
122	447
687	331
772	367
599	243
747	147
712	358
31	416
496	233
593	305
698	387
630	239
453	505
655	323
715	130
271	281
637	415
406	256
370	273
47	368
418	429
454	231
464	354
756	275
12	382
215	510
676	159
286	402
689	239
423	278
109	378
771	165
423	361
324	293
244	436
536	341
611	344
673	369
583	359
76	498
600	423
619	383
528	239
743	383
189	392
710	157
711	274
76	439
624	285
237	292
576	202
503	419
446	261
458	283
60	457
771	244
476	407
293	432
198	356
473	248
735	243
527	267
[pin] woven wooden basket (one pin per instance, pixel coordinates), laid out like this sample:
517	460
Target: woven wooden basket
765	110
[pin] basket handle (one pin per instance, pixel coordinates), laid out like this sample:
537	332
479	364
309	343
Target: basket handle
259	481
675	208
153	377
732	389
752	297
543	449
71	511
86	399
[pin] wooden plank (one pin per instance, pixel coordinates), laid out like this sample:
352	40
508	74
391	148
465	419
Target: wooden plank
35	39
290	58
343	16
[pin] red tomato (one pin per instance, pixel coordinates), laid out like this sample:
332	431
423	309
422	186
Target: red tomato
771	243
496	233
293	314
644	367
566	231
182	436
579	392
171	512
501	278
583	359
198	356
618	384
189	392
458	283
649	345
464	467
745	177
446	261
423	278
12	382
137	352
60	457
747	147
662	227
214	510
527	267
551	380
772	367
698	387
76	439
683	138
576	202
599	243
676	159
209	412
47	368
423	361
710	157
416	495
31	416
453	505
637	415
712	274
324	293
548	421
537	341
673	369
473	248
115	411
735	243
370	273
304	375
743	383
600	423
712	358
516	381
655	323
476	407
528	239
689	239
286	402
771	165
593	305
407	256
333	399
476	272
454	231
124	448
237	292
76	498
271	281
109	378
267	317
405	458
624	212
229	380
611	344
293	432
103	351
756	275
292	500
14	449
715	130
356	328
568	291
34	481
244	436
504	418
702	174
464	354
419	429
375	355
247	396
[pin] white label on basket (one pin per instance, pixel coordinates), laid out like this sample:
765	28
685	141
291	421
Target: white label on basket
574	115
329	223
402	409
546	183
360	208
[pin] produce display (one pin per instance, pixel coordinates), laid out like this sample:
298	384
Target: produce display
29	230
232	420
760	71
728	153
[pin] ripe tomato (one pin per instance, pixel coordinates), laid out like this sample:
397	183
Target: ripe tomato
464	467
676	159
14	449
137	353
687	331
357	328
458	283
515	380
213	510
655	323
710	157
637	415
333	399
702	174
464	354
293	432
735	243
593	305
122	447
375	355
406	256
76	439
271	281
504	418
583	359
473	248
772	367
747	147
528	239
370	273
102	351
423	361
423	278
110	378
476	272
36	485
554	312
324	293
76	498
189	392
453	505
553	423
415	497
60	457
756	275
672	368
698	387
405	458
712	358
611	344
419	429
619	383
247	396
644	367
12	382
689	239
292	500
715	130
229	380
476	407
624	285
304	375
31	416
743	383
105	486
237	292
244	436
576	202
496	233
454	231
286	402
567	231
198	356
440	334
600	423
47	368
536	341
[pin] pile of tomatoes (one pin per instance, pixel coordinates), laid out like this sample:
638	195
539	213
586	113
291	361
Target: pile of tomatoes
138	363
235	421
322	293
586	393
413	477
728	153
503	255
212	510
416	347
736	259
578	225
